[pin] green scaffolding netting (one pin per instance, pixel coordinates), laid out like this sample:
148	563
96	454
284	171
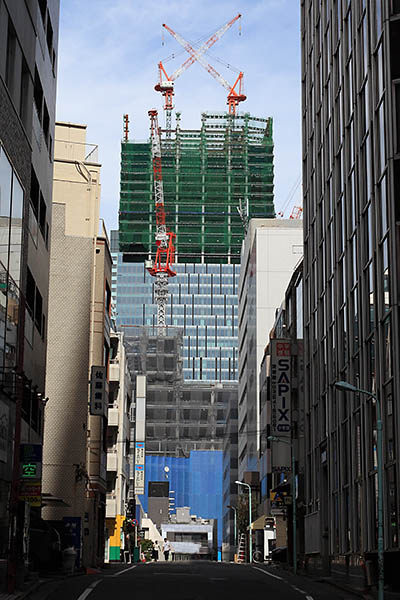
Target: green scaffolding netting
207	173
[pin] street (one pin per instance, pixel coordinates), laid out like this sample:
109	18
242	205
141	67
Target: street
189	581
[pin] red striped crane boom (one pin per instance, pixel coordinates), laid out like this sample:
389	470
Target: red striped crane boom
235	92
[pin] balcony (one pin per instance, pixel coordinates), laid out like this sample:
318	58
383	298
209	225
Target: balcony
111	508
114	372
112	461
113	417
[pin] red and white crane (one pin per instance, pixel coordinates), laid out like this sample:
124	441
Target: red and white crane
161	269
165	84
235	92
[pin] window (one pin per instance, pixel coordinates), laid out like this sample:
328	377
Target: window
24	89
10	56
38	212
49	35
43	10
34	302
38	95
11	206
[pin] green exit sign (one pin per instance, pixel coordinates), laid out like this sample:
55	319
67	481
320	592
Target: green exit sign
29	470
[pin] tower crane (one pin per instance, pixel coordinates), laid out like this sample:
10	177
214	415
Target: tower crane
165	84
235	92
161	269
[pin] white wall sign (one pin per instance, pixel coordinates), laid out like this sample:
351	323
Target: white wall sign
139	479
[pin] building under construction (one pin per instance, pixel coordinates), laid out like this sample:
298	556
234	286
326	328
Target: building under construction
214	179
208	174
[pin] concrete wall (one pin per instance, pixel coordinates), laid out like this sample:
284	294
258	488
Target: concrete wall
271	250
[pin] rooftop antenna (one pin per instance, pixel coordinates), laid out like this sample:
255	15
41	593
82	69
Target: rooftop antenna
126	128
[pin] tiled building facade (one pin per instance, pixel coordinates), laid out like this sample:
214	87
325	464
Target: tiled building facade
351	182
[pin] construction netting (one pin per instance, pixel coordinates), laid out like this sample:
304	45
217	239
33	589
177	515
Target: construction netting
208	173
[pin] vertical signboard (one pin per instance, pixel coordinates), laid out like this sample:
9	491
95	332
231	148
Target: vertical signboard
140	433
30	458
280	404
139	453
139	479
98	379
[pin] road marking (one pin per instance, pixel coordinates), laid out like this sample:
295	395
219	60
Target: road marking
269	574
120	572
298	589
88	590
281	579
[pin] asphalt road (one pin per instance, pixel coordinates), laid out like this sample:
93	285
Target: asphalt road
190	581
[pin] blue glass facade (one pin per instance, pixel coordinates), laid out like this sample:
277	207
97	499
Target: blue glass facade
202	300
196	481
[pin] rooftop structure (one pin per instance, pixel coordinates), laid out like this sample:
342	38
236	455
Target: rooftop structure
207	173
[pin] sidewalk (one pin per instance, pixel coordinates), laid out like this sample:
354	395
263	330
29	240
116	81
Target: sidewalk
355	588
48	583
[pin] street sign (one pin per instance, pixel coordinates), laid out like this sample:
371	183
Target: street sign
276	512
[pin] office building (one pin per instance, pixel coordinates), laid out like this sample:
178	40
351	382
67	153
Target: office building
28	66
75	458
351	183
270	252
180	424
282	417
208	174
202	302
229	476
118	447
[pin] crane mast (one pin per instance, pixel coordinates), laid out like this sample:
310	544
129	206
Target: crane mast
165	253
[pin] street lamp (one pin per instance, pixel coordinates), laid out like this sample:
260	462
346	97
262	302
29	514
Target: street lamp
250	536
234	524
348	387
273	438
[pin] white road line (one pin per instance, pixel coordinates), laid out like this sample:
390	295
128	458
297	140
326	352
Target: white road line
88	590
281	579
298	590
266	573
121	572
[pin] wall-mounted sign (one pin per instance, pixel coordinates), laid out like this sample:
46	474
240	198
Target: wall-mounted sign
139	479
98	380
31	492
30	459
280	405
139	453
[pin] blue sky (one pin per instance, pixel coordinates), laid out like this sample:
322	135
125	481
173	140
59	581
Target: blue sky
107	66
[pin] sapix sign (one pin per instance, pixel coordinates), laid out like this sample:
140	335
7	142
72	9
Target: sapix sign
280	405
280	387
